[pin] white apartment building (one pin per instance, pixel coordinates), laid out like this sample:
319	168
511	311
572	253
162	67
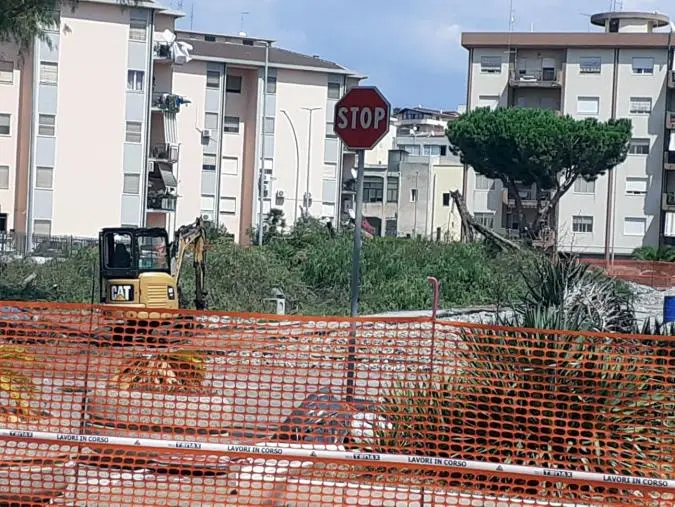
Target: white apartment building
625	71
117	123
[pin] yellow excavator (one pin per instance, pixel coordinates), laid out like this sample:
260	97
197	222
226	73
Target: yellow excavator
140	270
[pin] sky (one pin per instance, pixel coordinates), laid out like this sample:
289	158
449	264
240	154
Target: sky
410	49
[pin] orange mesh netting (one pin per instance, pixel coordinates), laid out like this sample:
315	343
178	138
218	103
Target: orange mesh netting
657	274
218	409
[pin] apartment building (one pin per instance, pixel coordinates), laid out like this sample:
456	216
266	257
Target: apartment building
409	196
124	120
623	71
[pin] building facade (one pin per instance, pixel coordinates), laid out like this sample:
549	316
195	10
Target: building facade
123	120
624	71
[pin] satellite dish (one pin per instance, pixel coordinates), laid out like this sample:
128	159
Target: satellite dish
354	173
351	213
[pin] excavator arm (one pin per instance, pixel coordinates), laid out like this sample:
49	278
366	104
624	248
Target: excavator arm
191	237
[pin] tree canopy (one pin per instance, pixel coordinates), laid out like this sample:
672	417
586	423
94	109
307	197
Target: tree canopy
21	21
534	146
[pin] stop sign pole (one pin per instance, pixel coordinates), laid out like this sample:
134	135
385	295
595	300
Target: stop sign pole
361	121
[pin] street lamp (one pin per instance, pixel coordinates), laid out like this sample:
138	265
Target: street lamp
297	164
309	155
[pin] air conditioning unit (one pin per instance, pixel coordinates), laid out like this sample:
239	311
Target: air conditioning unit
206	133
281	194
173	152
207	217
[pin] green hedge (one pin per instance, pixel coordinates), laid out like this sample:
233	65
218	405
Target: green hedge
312	268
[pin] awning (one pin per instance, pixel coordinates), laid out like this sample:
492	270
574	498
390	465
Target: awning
669	225
167	175
170	130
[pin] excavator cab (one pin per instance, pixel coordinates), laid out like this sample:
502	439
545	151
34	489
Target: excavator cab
135	268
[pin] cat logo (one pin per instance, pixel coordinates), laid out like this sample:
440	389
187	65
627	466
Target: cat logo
121	292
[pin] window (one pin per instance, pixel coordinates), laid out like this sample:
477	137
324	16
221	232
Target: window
373	189
212	79
581	186
229	165
44	177
271	84
6	72
634	226
327	210
133	134
268	125
4	124
412	149
636	186
208	202
330	129
228	205
638	147
590	65
640	105
486	219
484	183
588	105
491	64
210	38
643	65
135	80
582	224
233	84
4	177
46	125
392	189
49	73
432	150
333	90
42	227
132	184
231	124
209	163
3	222
137	26
446	199
413	195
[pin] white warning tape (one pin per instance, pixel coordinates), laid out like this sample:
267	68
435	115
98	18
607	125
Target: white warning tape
323	454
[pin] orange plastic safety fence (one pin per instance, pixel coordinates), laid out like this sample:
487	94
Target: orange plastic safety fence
656	274
98	408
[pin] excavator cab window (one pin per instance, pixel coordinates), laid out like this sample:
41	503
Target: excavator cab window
153	253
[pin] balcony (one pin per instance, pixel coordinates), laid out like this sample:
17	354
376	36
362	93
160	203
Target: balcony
529	198
161	52
670	120
158	203
544	78
669	161
668	201
671	79
164	153
167	102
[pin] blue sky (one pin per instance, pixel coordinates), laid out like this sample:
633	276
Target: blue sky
409	48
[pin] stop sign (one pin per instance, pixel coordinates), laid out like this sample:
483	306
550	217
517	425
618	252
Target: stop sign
362	117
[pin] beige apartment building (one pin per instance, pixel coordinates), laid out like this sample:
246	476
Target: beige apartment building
124	120
623	71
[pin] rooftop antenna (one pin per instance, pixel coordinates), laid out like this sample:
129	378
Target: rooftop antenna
242	32
588	28
512	22
192	14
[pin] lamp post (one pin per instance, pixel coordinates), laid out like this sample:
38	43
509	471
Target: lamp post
297	164
309	155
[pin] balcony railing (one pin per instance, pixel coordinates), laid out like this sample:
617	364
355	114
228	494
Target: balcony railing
671	79
168	102
544	78
669	161
161	51
529	198
668	201
670	119
162	203
165	152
